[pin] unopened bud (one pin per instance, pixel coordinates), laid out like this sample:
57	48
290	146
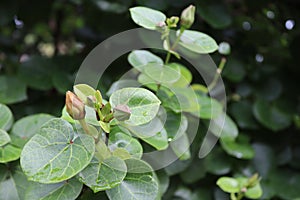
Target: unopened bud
187	17
172	22
74	106
122	112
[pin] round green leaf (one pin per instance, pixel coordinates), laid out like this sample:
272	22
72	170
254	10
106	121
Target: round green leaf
7	118
226	129
271	116
4	138
198	42
9	153
147	17
254	192
12	90
83	91
185	75
209	108
140	58
104	175
239	149
56	153
122	140
139	183
228	184
67	190
142	103
162	73
26	127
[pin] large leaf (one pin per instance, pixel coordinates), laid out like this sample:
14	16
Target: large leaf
198	42
12	90
6	119
139	183
162	74
56	153
103	175
147	17
66	190
26	127
140	58
122	140
13	183
4	138
271	116
9	153
142	103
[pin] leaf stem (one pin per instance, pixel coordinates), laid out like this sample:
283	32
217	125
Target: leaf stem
218	73
84	126
171	48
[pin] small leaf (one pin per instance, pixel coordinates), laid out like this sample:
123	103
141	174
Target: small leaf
254	192
69	189
4	138
83	91
228	184
162	73
104	175
142	103
12	90
6	119
105	126
140	58
9	153
147	17
56	153
198	42
122	140
238	149
139	183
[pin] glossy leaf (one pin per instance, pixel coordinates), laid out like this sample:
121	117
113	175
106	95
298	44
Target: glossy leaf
122	140
62	153
4	138
142	103
103	175
228	184
198	42
140	58
9	153
238	149
139	183
67	190
162	74
147	17
12	90
26	127
6	119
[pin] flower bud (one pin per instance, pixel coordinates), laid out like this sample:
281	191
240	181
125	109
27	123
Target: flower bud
74	106
122	112
172	22
187	17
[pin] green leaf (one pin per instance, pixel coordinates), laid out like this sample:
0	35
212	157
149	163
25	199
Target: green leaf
142	103
9	153
4	138
13	183
140	58
139	183
12	90
122	140
83	91
239	149
254	192
226	128
228	184
147	82
271	116
120	84
217	162
56	153
26	127
162	73
198	42
181	146
7	118
185	75
209	108
176	124
147	17
69	189
104	175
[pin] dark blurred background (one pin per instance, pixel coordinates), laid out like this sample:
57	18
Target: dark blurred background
42	44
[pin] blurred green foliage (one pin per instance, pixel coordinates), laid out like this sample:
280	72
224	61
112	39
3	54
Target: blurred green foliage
42	44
